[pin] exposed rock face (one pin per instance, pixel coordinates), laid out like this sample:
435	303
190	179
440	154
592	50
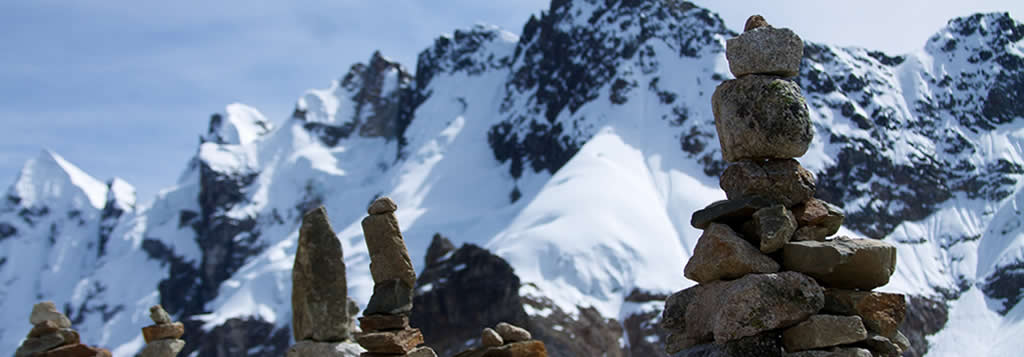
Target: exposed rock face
824	331
784	180
319	290
842	262
762	49
439	246
728	310
774	226
722	254
761	117
238	337
925	316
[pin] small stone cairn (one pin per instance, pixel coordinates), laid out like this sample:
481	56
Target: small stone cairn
770	280
322	326
162	338
52	336
385	322
506	340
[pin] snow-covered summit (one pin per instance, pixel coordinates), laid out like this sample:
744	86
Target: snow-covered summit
50	180
240	125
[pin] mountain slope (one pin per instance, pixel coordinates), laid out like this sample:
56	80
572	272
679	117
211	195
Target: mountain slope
576	152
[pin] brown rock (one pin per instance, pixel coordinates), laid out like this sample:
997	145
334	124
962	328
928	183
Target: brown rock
395	342
881	312
782	180
77	350
389	258
775	226
761	117
729	310
531	348
47	311
45	328
319	290
815	233
491	338
725	211
35	345
159	315
381	322
842	262
382	205
815	212
833	352
162	348
511	333
765	50
821	331
754	22
163	332
721	254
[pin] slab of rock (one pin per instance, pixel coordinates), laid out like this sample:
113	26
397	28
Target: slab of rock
77	350
782	180
721	254
729	310
775	226
394	342
324	349
490	338
724	211
45	328
35	345
531	348
163	331
815	233
762	345
881	346
390	297
47	311
381	322
761	117
832	352
881	312
159	315
162	348
319	290
389	258
382	205
765	50
821	331
843	262
512	333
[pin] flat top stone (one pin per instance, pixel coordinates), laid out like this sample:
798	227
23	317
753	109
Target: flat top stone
842	262
743	207
382	205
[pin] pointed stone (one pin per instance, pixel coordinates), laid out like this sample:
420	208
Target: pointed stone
382	205
36	345
439	247
77	350
389	258
319	290
721	254
159	315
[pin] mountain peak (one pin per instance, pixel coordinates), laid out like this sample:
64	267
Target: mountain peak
978	32
241	125
50	178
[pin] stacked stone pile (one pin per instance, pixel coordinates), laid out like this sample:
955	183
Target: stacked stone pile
385	323
506	340
771	281
162	338
322	313
52	336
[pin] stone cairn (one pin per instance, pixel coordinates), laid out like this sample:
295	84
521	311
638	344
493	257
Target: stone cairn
506	340
770	280
162	338
52	336
321	326
385	322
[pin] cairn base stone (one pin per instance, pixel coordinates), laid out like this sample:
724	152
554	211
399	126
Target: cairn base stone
765	50
163	331
721	254
761	117
843	262
162	348
77	350
324	349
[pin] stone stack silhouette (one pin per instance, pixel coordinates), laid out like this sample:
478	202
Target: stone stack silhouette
52	336
385	322
770	280
162	337
506	340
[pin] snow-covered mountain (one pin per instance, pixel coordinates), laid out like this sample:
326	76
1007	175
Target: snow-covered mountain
576	152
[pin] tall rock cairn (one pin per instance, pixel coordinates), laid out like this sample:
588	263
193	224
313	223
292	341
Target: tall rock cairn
162	338
770	280
322	313
385	322
52	336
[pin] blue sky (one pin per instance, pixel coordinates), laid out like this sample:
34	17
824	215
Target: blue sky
123	88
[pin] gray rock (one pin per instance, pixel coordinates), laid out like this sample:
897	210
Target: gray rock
162	348
729	310
881	346
775	226
832	352
843	262
762	345
47	311
491	338
34	345
761	117
390	297
821	331
721	254
159	315
389	258
319	290
881	312
729	210
324	349
382	205
815	212
421	352
901	340
815	233
511	333
782	180
765	50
